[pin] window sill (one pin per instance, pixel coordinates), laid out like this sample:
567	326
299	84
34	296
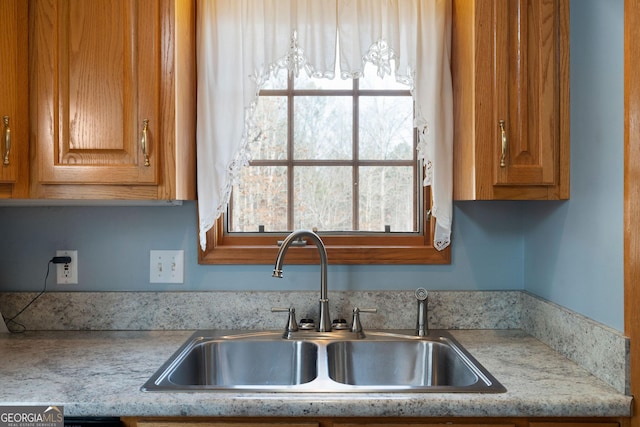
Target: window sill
347	250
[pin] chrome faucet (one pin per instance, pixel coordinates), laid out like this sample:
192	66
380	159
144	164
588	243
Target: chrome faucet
324	323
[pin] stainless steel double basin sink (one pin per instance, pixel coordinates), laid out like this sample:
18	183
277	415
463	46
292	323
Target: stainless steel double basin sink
263	361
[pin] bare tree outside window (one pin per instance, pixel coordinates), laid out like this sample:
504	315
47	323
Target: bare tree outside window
336	155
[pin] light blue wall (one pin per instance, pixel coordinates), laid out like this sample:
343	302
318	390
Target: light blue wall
574	249
113	246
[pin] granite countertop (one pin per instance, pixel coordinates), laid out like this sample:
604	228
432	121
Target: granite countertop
99	373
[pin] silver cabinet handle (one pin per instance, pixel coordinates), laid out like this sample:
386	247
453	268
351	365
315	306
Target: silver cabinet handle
503	156
144	142
7	140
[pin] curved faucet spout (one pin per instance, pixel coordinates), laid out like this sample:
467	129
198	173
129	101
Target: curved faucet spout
324	323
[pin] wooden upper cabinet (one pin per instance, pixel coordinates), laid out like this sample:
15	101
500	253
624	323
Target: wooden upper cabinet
105	99
510	66
14	97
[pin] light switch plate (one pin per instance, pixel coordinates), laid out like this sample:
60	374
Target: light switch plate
166	266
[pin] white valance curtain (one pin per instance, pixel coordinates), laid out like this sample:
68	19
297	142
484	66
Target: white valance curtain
240	43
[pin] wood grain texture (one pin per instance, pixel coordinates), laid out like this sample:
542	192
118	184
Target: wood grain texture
464	89
510	62
98	70
178	101
96	79
526	89
632	192
14	89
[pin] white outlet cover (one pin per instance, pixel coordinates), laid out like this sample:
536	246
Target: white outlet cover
166	266
67	274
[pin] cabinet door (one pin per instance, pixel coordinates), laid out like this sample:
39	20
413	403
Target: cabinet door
14	115
526	88
96	82
510	69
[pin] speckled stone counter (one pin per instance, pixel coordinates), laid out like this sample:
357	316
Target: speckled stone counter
99	373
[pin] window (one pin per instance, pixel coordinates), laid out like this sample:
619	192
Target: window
332	155
314	131
338	156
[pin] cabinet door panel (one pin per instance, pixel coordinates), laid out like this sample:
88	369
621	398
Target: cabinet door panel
96	76
14	115
526	87
8	87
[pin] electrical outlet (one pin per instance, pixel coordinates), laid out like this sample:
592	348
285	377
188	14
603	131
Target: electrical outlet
67	274
166	266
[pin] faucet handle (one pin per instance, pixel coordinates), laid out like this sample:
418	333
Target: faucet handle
292	324
356	326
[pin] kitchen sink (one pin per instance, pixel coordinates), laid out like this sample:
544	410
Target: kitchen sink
310	361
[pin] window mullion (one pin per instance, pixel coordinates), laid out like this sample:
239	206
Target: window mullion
355	154
290	142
